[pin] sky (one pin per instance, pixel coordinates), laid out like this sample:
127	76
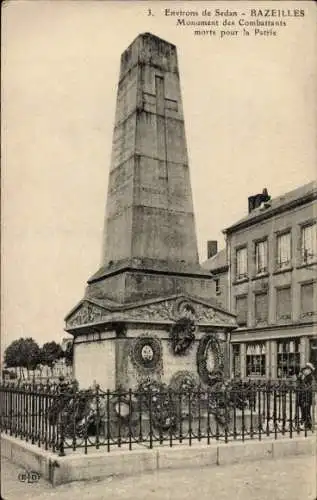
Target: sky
250	119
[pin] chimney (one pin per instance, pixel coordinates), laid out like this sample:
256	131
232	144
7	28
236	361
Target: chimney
212	248
251	204
256	200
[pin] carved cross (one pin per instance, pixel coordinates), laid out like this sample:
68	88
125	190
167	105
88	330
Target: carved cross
162	104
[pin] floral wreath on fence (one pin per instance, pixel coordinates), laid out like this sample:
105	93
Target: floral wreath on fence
209	343
157	399
183	381
122	414
76	409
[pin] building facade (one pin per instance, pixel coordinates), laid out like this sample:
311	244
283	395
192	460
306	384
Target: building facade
272	287
217	264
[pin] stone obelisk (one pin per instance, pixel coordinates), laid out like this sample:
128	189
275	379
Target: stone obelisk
149	222
149	255
149	209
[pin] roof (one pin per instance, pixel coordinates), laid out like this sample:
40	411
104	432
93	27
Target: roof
216	262
287	201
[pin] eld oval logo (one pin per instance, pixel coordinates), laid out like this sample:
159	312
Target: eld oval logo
29	477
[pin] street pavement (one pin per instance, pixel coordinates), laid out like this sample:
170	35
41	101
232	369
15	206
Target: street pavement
285	479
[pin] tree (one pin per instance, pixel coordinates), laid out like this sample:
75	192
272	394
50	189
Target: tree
50	353
22	353
12	354
30	354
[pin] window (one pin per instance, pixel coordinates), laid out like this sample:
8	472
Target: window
261	257
309	243
241	263
283	303
217	282
307	299
288	358
255	359
284	250
236	360
242	310
261	308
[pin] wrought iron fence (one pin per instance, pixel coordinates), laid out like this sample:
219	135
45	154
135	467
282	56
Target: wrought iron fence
62	418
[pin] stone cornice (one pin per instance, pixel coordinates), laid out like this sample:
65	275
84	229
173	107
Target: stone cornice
166	268
219	270
89	316
241	334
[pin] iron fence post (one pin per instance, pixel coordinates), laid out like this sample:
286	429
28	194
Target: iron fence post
208	416
61	424
291	413
190	416
170	416
11	411
32	415
108	420
61	440
161	400
259	394
119	419
130	419
198	399
140	401
243	416
268	408
234	402
275	412
251	411
150	417
226	412
97	418
180	415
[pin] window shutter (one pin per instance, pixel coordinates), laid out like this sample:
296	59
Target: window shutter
284	250
307	299
261	256
241	310
241	263
283	303
309	243
261	307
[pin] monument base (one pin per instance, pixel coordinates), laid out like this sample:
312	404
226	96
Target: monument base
159	339
132	280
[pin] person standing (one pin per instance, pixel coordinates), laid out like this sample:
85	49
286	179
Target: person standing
304	395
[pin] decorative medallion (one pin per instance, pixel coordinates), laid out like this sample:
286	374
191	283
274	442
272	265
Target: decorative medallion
182	335
146	353
209	360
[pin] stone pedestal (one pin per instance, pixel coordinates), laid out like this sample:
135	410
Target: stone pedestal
125	346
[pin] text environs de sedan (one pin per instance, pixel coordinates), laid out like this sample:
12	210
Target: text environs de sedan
218	13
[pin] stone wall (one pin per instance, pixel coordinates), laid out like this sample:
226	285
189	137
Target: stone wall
94	361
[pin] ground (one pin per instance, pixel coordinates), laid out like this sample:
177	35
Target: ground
287	479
